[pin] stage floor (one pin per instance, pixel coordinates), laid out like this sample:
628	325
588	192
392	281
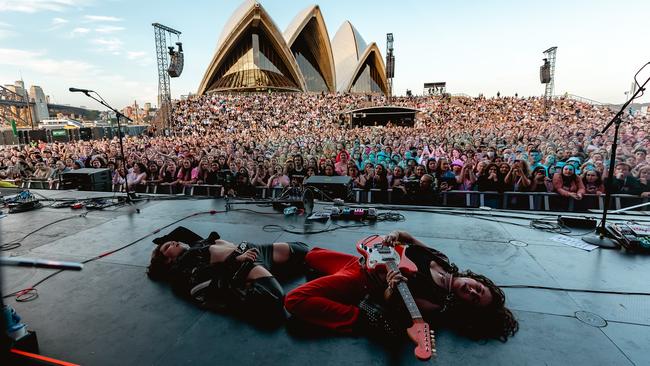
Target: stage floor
112	314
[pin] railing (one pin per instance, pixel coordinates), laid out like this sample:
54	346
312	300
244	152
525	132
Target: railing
533	201
579	99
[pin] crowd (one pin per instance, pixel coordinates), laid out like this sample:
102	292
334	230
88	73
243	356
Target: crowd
243	141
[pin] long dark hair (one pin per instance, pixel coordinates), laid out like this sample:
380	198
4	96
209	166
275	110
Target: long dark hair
159	268
566	181
492	321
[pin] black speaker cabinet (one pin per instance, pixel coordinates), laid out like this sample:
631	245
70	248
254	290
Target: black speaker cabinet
87	179
545	73
333	187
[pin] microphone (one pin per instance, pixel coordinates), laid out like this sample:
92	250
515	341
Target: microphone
75	90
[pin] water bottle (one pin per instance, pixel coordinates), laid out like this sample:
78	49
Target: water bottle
290	210
15	329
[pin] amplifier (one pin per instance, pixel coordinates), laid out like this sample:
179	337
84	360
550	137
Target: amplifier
333	187
577	222
87	179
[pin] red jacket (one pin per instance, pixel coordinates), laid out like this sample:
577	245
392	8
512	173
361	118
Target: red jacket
576	186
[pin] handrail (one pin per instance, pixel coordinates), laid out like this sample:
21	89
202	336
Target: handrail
579	99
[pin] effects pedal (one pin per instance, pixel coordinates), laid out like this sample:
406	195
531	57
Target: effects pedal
357	214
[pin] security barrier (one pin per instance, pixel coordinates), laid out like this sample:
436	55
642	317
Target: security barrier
533	201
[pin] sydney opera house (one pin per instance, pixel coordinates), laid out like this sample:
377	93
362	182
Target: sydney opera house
252	54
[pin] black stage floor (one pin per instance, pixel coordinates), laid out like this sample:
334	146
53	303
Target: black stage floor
112	314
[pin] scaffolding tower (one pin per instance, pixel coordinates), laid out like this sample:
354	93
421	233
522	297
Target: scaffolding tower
161	33
550	86
390	64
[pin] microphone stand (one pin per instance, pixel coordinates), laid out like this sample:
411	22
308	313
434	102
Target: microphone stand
599	236
119	133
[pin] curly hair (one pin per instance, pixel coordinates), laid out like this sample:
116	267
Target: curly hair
492	321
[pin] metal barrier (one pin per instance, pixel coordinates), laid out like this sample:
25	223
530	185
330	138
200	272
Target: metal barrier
533	201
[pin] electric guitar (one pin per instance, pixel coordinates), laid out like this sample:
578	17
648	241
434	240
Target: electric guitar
377	255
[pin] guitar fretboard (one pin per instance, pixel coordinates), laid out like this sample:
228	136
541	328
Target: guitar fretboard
404	291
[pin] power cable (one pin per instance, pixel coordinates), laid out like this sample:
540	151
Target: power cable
31	293
610	292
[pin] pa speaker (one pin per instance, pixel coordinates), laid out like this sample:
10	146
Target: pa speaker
177	61
545	73
390	66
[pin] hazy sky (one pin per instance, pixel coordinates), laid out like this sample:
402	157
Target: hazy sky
475	46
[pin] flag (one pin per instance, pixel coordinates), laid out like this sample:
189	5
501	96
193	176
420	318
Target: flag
13	127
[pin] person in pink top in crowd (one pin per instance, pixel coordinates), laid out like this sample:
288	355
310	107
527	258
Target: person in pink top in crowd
341	167
568	184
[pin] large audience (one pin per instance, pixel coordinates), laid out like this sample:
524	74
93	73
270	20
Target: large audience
243	141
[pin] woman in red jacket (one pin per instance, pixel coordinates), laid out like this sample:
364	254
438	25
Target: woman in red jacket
568	184
348	299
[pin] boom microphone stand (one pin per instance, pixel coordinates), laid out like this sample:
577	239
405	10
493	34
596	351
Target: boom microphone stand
119	130
599	237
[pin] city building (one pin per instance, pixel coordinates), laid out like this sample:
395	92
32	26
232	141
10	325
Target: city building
252	55
37	97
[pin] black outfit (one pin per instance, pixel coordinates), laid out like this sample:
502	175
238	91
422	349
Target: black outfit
224	285
213	178
629	185
298	174
644	187
420	284
484	184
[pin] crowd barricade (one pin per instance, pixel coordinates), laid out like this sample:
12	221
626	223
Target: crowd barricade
532	201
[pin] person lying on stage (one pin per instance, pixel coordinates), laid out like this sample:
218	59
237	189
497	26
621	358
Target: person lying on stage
348	299
218	274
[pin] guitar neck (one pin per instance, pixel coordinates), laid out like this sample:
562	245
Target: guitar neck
404	291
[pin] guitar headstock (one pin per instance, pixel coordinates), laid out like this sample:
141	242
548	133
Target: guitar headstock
424	337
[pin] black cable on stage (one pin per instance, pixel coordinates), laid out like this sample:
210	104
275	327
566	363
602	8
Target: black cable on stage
382	217
17	243
609	292
31	293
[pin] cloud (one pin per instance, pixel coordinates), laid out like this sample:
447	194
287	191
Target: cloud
34	6
79	31
108	29
38	62
140	58
6	31
111	45
101	18
55	75
59	21
134	55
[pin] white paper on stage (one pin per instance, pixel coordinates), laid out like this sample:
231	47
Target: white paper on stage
573	242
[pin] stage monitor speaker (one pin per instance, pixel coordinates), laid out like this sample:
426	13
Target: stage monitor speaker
332	187
545	73
87	179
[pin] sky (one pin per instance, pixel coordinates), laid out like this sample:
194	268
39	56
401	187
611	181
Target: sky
475	46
